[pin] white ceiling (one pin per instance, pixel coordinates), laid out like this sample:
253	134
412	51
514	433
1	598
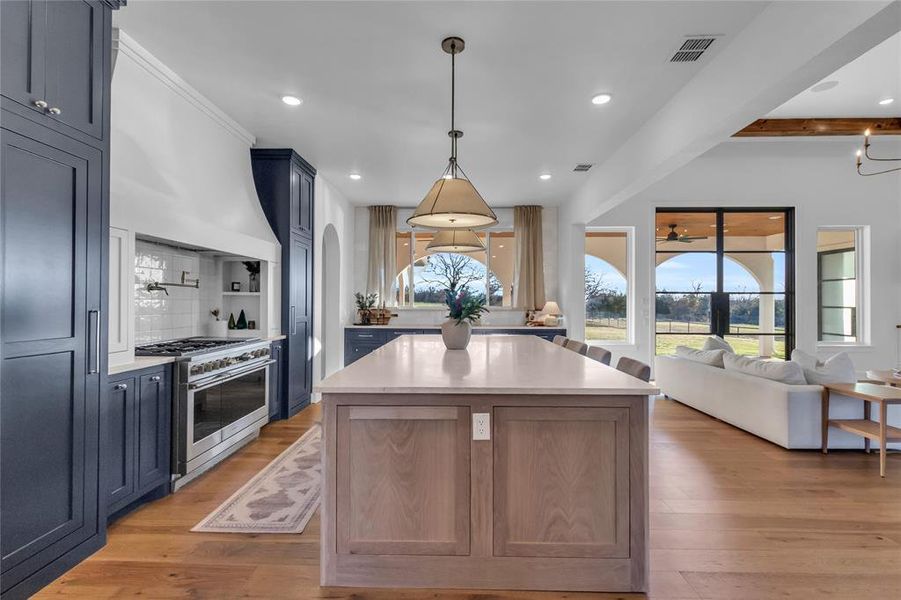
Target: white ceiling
857	89
375	83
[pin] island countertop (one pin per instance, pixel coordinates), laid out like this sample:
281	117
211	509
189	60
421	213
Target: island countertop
492	364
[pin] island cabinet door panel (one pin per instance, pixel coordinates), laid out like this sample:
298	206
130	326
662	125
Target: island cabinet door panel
561	482
403	480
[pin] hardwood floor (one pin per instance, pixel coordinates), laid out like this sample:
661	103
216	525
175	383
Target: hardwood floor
732	517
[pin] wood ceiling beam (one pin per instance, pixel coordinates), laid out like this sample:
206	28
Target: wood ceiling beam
820	127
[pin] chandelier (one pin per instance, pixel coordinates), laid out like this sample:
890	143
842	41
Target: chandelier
865	153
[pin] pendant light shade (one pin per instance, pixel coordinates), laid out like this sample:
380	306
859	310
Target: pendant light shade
453	202
456	240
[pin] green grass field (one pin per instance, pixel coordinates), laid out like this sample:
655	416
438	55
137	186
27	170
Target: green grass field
746	344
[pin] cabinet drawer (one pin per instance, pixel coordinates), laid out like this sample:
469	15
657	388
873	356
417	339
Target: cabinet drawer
356	351
366	336
391	334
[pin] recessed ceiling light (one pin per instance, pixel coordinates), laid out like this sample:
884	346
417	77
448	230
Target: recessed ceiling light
713	226
292	100
601	99
355	176
494	256
775	217
500	245
886	101
544	176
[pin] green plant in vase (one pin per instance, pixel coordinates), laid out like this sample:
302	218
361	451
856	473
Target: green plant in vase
365	304
463	309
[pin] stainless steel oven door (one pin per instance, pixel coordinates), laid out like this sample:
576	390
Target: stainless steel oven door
220	407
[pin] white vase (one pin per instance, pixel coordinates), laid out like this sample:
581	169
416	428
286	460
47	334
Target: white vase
456	335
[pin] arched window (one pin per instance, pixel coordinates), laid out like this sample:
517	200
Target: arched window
606	286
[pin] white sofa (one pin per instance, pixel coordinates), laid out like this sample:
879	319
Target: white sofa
787	415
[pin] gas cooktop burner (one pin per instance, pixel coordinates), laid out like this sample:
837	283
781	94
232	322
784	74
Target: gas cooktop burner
189	346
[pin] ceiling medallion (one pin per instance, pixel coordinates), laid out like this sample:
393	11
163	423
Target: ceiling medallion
453	202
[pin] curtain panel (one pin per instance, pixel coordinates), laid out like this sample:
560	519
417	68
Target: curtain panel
528	272
382	252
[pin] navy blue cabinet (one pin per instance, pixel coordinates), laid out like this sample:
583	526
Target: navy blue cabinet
52	347
275	381
136	442
54	62
54	144
285	186
360	341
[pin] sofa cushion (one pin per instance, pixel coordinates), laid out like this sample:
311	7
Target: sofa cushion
836	369
784	372
715	342
713	358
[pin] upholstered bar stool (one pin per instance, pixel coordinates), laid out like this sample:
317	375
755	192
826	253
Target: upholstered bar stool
602	355
576	346
635	368
560	340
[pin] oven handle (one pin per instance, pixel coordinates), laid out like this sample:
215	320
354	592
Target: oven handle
199	386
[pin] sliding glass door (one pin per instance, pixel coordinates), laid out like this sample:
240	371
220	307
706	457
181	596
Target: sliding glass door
727	272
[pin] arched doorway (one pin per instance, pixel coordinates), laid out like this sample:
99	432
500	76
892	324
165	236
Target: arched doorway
331	292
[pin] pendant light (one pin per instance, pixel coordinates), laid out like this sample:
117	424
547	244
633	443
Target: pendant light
453	202
455	240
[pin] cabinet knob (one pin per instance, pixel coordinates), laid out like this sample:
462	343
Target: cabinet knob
54	111
155	378
121	387
40	103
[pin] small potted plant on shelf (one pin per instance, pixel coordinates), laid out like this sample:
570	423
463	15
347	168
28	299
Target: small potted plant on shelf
464	308
364	306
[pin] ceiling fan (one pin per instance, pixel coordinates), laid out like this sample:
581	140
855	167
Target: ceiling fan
672	236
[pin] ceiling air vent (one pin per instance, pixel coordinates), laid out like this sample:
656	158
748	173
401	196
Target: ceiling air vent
581	168
692	49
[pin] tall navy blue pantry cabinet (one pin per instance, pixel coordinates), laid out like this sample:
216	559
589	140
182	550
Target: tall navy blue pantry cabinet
54	150
284	183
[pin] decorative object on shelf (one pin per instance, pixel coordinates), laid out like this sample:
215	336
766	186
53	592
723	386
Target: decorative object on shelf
231	321
251	324
865	153
456	240
453	201
242	321
463	309
236	286
253	274
364	306
551	314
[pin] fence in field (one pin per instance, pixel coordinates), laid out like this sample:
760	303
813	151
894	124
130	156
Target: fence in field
611	322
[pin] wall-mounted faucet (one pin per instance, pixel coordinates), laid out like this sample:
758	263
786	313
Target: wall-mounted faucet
188	282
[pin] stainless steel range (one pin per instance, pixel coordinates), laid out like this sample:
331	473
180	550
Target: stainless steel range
221	399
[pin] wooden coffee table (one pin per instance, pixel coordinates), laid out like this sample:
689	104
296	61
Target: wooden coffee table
886	376
870	393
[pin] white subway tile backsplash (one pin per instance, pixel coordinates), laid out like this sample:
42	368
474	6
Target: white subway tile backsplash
159	316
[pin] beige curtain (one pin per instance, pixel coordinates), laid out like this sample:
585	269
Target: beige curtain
382	252
528	271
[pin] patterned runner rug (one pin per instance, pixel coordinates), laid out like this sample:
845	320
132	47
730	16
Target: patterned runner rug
279	499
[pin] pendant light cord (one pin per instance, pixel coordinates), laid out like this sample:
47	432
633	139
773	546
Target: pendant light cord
453	105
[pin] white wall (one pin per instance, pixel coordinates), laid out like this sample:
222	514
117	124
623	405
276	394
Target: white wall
331	209
817	177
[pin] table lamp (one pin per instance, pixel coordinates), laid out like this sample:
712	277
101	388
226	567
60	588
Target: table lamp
551	313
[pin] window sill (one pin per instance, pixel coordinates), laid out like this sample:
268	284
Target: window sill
444	308
849	347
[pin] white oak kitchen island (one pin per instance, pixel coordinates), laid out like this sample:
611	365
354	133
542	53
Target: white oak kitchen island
555	499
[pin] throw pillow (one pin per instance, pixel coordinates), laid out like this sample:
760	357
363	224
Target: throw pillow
715	342
784	372
713	358
836	369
